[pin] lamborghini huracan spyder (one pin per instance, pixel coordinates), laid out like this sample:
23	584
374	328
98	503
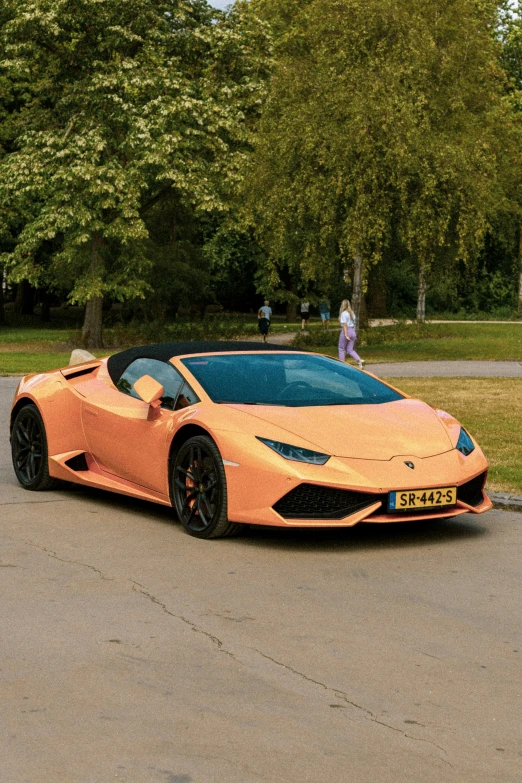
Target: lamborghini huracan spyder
232	433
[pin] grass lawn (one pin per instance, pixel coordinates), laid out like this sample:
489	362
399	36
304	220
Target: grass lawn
17	363
491	408
413	342
453	342
29	349
13	335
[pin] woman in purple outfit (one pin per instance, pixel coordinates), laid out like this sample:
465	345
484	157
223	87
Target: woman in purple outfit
348	336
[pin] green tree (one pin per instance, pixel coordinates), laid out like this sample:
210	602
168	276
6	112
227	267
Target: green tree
384	119
128	101
511	36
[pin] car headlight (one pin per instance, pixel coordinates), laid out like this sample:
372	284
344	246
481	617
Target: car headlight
295	453
464	444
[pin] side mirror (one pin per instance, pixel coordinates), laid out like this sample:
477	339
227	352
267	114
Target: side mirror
149	390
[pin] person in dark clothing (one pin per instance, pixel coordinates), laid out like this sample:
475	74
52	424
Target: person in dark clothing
264	315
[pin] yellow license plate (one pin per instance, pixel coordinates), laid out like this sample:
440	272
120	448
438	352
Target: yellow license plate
422	498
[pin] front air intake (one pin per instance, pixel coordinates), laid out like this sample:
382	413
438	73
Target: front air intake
309	501
70	374
471	491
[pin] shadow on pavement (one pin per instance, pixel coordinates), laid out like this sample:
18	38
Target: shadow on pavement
397	535
363	536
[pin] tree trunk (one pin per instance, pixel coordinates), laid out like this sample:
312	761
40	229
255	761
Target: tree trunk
291	312
2	311
421	295
520	271
357	292
24	300
363	312
377	291
45	312
291	307
92	323
92	336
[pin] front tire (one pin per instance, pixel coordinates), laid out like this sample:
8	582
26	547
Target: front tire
199	489
29	450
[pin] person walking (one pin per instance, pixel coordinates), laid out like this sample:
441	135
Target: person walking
348	335
264	315
305	314
324	310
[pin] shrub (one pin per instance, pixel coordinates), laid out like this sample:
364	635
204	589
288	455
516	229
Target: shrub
397	333
212	327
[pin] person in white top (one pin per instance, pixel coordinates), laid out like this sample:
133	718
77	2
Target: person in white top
264	315
305	314
348	335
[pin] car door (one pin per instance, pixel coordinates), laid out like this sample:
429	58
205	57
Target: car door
126	436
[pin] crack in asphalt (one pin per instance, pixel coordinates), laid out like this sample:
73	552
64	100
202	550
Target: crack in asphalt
344	697
139	588
54	555
428	654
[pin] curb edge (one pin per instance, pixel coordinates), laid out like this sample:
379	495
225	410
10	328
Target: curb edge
505	502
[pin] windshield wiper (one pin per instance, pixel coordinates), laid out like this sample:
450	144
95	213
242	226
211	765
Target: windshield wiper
344	402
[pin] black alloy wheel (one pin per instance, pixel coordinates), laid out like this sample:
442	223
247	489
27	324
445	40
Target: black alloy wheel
29	450
199	489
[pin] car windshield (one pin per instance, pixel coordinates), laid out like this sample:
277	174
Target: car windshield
289	379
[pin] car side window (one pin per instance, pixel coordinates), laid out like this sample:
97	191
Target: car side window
162	372
186	397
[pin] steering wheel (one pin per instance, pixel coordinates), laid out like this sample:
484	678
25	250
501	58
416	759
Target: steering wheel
294	385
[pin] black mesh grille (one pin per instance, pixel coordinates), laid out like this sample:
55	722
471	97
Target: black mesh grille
308	501
471	491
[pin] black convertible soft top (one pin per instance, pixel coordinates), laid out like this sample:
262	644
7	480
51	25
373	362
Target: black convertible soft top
118	362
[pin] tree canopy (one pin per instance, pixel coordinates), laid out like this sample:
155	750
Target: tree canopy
384	118
113	105
511	59
166	150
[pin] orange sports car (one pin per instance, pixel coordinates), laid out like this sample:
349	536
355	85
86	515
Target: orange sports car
232	433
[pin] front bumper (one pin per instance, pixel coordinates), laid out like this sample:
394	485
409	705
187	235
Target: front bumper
259	485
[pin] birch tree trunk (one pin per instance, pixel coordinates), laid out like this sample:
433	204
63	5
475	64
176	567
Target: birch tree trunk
92	336
520	270
357	288
2	310
421	295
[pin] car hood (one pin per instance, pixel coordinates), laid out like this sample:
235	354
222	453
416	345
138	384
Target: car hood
405	427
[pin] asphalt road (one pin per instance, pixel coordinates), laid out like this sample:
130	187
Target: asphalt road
447	369
132	652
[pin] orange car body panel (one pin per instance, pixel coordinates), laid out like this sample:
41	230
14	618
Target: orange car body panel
126	445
